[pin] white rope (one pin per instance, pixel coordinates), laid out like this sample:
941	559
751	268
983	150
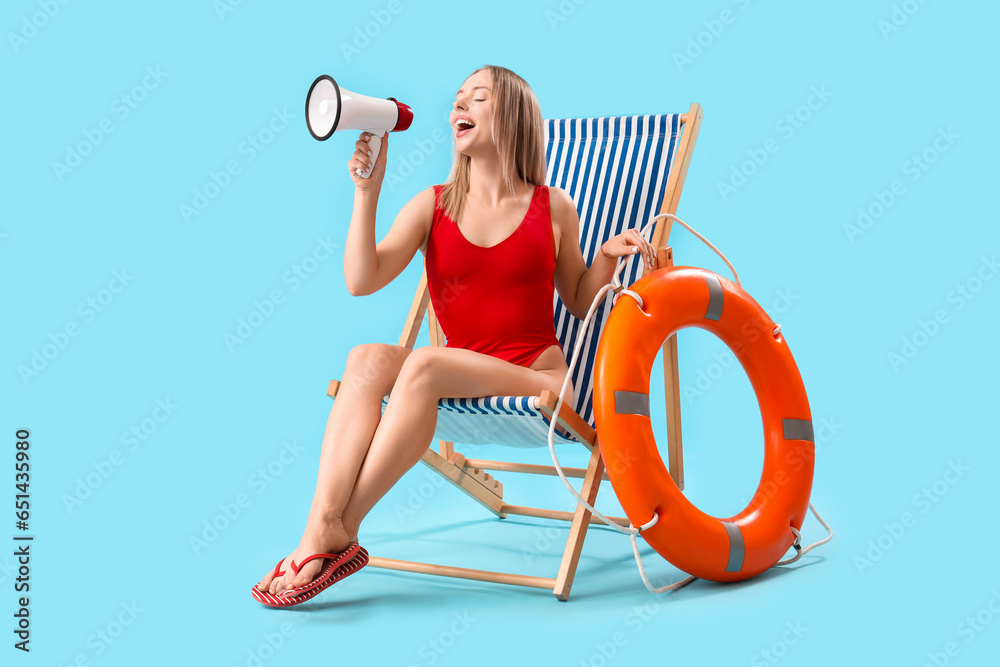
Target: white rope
632	531
703	239
798	538
645	579
555	418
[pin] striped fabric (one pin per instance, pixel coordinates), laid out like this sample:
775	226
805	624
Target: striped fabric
503	420
615	169
493	420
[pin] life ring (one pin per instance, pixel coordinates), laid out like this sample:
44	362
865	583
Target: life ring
744	545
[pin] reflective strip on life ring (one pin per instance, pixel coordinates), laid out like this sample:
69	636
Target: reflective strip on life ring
734	548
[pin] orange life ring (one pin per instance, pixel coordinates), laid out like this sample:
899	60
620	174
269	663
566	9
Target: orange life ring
741	546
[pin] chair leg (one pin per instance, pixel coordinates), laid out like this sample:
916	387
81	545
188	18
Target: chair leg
578	529
675	448
672	386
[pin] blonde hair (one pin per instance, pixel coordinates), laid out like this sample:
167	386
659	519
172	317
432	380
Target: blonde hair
518	132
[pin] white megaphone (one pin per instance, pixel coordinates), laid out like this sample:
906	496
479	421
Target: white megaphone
330	108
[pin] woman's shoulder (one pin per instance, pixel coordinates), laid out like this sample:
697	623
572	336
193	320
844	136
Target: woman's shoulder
558	194
432	196
560	203
426	206
427	199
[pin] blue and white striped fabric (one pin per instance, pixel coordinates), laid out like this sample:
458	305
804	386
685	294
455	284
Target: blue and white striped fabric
615	169
503	420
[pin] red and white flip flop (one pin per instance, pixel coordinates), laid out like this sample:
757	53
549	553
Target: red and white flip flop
337	567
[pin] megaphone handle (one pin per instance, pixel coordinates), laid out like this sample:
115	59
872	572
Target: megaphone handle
375	143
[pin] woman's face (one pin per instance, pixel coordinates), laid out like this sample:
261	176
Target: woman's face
472	114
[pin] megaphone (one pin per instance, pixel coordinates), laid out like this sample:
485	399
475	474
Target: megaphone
330	108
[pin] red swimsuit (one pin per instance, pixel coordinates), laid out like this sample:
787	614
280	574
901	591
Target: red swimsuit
496	300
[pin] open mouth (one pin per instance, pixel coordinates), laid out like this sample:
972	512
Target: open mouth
462	126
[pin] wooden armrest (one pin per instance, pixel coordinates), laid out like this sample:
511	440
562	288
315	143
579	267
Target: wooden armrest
568	419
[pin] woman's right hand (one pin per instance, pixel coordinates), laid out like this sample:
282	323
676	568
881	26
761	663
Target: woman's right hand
361	159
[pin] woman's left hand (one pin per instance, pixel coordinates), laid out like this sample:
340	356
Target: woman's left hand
629	243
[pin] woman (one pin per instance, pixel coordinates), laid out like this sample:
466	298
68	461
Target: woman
496	242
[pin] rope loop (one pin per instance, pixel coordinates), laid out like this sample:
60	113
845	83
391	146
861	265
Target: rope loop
632	294
649	524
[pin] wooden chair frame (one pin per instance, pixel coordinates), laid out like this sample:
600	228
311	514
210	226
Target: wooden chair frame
470	475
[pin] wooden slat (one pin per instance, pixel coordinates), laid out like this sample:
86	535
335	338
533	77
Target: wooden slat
529	468
462	573
492	484
678	172
557	515
436	334
568	419
675	185
416	314
465	482
446	449
578	529
672	391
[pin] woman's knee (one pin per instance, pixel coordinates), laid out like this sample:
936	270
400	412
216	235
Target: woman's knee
417	371
374	364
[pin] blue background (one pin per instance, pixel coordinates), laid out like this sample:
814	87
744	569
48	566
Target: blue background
878	593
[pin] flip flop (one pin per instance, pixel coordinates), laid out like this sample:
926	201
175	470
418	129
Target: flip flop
277	571
338	567
333	562
334	559
342	571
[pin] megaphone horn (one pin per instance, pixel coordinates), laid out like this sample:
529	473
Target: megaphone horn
330	108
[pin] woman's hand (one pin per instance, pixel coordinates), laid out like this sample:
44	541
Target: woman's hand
362	158
629	243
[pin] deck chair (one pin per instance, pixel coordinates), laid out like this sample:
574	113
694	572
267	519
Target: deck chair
620	172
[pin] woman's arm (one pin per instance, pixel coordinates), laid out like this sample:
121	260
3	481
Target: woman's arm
578	285
370	266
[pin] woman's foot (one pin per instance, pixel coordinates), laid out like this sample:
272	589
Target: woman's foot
323	537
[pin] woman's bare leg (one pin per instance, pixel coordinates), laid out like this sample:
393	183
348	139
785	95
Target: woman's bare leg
401	436
407	427
369	374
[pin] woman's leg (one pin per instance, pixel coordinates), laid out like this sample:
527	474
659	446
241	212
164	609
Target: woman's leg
407	427
404	432
369	374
